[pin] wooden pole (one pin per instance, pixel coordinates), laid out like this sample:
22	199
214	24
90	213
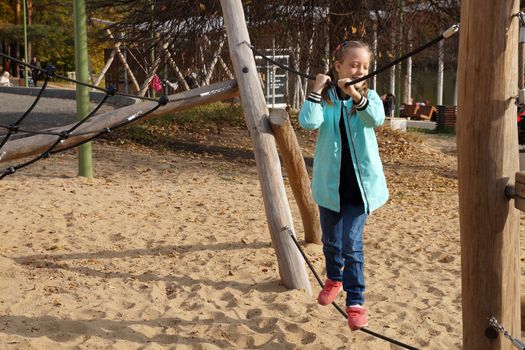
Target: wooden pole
441	70
298	176
122	59
487	159
85	155
291	265
105	68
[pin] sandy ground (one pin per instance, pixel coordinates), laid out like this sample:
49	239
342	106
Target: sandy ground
170	250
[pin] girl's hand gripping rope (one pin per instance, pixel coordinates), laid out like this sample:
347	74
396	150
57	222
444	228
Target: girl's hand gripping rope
350	90
320	81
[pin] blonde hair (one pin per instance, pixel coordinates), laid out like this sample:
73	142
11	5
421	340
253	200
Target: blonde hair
339	56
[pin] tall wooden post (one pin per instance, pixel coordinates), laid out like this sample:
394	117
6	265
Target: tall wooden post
487	159
85	156
291	265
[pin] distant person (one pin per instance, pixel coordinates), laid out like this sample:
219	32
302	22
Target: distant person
191	80
35	72
21	69
388	103
8	66
4	79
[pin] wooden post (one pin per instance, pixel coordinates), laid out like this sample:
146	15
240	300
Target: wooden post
85	153
291	265
105	68
487	159
122	59
297	174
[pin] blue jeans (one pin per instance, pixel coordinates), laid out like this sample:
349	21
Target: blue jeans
343	249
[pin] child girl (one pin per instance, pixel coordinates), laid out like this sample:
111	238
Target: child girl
348	181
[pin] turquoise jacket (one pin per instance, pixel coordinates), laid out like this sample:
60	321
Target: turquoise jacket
363	148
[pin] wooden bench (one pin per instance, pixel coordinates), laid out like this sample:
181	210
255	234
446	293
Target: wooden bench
426	112
409	111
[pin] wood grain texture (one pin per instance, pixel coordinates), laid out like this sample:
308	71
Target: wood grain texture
487	159
297	175
292	268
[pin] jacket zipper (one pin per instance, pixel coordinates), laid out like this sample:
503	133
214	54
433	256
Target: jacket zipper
356	160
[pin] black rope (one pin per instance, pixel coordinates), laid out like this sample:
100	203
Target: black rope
446	34
63	136
76	81
14	128
107	130
110	90
341	311
68	133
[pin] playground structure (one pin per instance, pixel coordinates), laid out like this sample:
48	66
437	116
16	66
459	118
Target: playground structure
487	145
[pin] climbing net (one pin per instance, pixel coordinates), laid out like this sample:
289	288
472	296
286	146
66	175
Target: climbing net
75	130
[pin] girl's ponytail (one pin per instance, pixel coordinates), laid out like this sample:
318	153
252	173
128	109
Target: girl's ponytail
324	93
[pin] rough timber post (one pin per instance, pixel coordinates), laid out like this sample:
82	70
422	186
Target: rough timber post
299	180
487	159
291	266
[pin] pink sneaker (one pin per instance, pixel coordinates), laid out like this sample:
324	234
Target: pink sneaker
329	292
356	317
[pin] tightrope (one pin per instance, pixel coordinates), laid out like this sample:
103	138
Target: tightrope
341	311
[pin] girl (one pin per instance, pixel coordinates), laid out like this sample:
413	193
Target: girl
348	181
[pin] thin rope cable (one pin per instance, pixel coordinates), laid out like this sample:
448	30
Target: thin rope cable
11	170
12	129
109	90
76	81
63	135
161	101
136	60
446	34
377	335
107	130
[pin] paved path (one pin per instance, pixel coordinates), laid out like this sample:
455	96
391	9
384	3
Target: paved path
49	112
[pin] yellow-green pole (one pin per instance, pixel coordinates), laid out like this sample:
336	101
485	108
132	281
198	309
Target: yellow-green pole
81	69
26	71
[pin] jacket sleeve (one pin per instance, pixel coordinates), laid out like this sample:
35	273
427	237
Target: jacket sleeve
373	115
311	115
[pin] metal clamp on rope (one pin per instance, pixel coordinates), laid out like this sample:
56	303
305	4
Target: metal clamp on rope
498	327
64	135
12	128
451	31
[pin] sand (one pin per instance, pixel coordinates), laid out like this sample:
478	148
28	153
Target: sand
170	250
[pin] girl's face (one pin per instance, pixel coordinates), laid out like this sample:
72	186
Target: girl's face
354	65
